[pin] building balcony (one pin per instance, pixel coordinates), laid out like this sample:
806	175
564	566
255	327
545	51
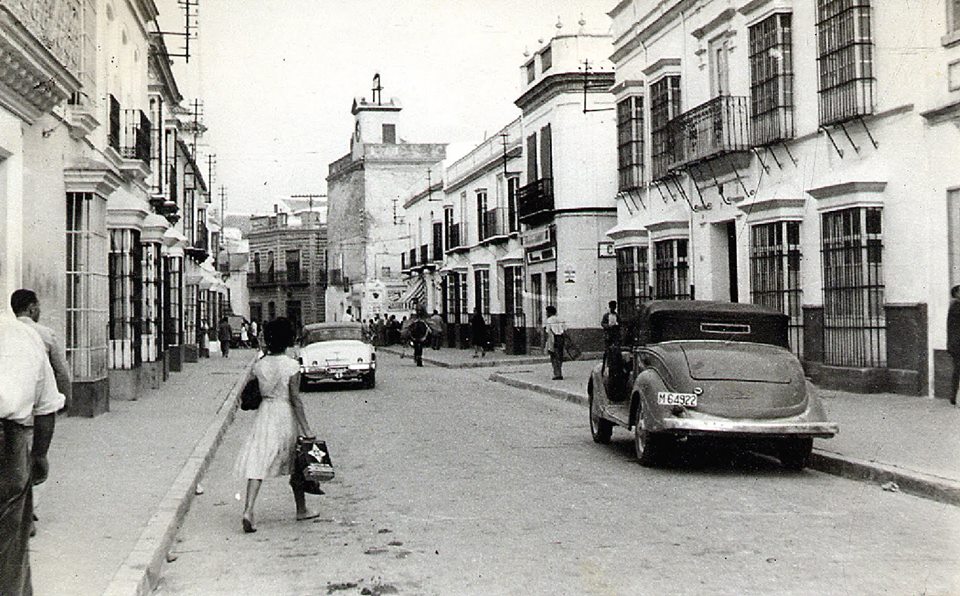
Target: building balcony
295	277
712	129
535	201
494	226
425	256
457	238
285	278
129	137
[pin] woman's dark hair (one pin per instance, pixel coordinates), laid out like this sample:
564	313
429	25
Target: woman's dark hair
551	310
278	335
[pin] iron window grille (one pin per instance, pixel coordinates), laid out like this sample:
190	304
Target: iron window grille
671	269
513	290
150	345
775	279
771	79
854	325
125	298
292	258
632	280
464	313
630	143
87	291
448	228
191	309
664	107
481	292
844	60
173	273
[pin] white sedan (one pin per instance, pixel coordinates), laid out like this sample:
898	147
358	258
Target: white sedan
336	352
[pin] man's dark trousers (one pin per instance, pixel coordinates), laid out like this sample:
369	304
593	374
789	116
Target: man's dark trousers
16	508
418	352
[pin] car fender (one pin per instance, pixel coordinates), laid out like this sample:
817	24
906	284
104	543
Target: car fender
595	385
643	403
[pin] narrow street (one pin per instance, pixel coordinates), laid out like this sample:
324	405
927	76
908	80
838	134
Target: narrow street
449	484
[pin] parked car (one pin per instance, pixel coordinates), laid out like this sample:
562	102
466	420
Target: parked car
337	352
707	369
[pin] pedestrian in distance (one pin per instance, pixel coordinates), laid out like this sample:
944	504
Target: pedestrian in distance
29	401
26	307
610	322
953	341
348	315
244	335
224	334
416	330
270	449
254	337
478	333
555	337
436	330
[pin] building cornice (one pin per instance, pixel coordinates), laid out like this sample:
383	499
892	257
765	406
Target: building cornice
95	178
557	84
626	88
718	21
663	64
490	165
32	80
847	188
648	26
679	228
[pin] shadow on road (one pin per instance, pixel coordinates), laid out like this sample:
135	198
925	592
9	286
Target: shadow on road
712	458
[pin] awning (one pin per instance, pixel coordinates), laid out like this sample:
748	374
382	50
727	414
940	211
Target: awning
414	294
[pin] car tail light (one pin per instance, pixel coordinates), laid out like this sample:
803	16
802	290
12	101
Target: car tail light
373	356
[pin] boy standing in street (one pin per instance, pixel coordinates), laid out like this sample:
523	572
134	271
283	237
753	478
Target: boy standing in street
611	325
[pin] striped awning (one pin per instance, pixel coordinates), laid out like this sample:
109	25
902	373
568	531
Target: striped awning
414	294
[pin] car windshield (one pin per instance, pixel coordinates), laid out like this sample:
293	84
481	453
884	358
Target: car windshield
312	336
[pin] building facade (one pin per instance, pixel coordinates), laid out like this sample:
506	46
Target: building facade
365	191
792	154
566	203
78	142
288	267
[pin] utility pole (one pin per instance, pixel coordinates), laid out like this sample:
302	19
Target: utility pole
309	197
211	161
503	139
223	220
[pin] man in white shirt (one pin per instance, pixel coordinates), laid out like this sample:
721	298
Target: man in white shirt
554	330
26	307
29	401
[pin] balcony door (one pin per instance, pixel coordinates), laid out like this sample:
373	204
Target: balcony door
719	67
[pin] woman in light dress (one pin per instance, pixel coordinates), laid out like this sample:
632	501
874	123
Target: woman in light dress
270	449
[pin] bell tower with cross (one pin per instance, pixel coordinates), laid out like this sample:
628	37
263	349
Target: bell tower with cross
375	119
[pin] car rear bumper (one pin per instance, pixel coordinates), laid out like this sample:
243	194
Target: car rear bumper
747	428
335	375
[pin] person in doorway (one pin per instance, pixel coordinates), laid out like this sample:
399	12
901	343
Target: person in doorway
224	333
611	325
29	402
953	341
436	330
478	333
348	315
554	333
270	449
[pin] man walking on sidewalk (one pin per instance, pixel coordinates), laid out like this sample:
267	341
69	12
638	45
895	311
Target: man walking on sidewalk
953	341
554	330
224	333
26	307
29	401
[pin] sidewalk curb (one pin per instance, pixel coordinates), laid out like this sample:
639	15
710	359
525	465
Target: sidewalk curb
491	363
140	572
918	484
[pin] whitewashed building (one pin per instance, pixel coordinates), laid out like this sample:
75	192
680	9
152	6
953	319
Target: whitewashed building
801	155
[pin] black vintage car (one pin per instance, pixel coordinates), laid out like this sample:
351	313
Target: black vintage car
712	369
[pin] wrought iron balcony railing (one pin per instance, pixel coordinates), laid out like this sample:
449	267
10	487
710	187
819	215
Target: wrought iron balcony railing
135	140
719	126
535	200
113	130
493	225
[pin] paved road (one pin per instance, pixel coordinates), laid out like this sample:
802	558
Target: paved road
450	484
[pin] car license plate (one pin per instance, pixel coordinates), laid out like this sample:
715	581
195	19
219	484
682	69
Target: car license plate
669	398
338	375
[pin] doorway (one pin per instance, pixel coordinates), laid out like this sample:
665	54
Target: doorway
732	274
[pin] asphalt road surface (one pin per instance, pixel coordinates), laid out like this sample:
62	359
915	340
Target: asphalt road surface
450	484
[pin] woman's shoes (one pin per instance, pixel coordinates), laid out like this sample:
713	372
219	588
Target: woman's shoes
248	526
308	515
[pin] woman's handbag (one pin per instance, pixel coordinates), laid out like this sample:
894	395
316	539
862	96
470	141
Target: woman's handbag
314	464
250	397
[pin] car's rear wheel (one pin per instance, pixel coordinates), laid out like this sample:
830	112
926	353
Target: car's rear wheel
650	447
600	428
794	454
370	381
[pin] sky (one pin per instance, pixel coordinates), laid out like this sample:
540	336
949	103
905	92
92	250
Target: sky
277	78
